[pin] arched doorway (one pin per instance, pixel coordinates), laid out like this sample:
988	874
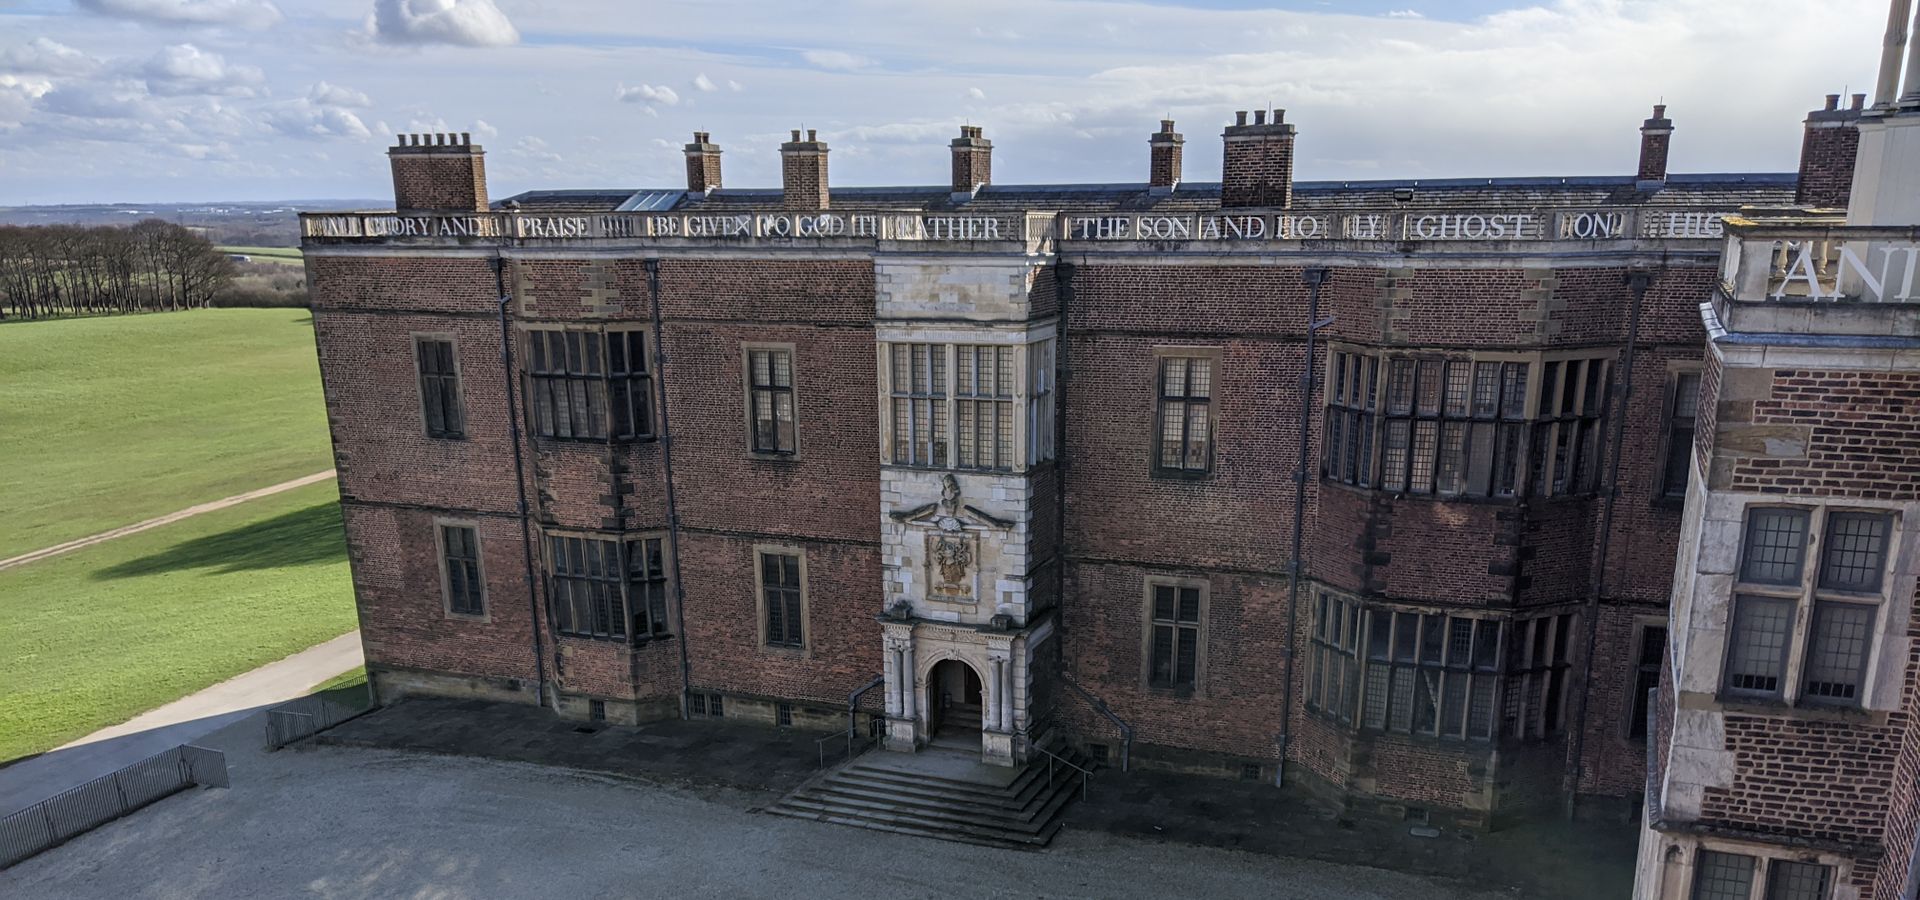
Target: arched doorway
954	702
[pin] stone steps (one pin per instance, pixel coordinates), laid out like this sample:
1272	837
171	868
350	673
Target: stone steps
892	793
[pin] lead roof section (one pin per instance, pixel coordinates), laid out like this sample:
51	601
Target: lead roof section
1729	191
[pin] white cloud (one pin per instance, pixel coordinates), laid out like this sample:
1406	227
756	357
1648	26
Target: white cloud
838	60
466	23
653	95
44	56
735	86
306	119
337	95
974	93
702	83
480	127
536	149
183	69
116	100
1405	14
241	13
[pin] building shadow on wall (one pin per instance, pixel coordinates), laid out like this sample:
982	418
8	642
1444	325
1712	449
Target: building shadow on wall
299	538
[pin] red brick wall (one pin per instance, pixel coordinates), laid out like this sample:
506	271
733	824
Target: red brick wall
1826	166
440	181
1864	440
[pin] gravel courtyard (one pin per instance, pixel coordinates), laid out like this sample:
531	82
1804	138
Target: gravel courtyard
357	823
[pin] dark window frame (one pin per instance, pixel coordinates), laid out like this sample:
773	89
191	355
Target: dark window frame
1473	425
607	586
766	396
1681	418
1184	650
589	384
781	597
436	362
1198	454
1644	676
463	581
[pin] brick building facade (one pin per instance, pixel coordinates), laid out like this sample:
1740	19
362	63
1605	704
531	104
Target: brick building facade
1022	458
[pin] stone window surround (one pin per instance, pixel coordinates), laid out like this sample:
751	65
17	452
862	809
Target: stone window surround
1215	397
1803	596
1531	416
1765	855
414	340
746	392
480	562
805	650
1021	338
1199	689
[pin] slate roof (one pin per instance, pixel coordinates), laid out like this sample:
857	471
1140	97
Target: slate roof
1711	191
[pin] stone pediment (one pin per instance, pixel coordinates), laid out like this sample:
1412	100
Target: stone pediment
951	514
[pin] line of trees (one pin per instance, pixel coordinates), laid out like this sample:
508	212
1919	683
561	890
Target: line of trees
66	270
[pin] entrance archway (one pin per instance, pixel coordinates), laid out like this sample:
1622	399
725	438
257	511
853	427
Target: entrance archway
954	701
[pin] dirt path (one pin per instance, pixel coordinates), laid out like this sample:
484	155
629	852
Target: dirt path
169	518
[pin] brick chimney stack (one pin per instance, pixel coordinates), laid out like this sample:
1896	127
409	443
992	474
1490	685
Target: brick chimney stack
1258	166
703	164
1163	171
972	162
438	173
1828	152
1656	138
803	172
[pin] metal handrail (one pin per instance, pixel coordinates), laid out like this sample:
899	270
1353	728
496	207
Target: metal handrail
1053	757
820	745
1126	731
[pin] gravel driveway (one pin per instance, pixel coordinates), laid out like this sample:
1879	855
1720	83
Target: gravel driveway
358	823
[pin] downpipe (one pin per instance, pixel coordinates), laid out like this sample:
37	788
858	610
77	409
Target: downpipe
520	482
1296	569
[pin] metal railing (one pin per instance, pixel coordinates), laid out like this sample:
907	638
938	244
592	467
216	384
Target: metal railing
303	718
1126	731
856	743
1055	760
75	811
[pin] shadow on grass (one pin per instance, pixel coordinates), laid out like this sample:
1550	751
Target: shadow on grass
300	538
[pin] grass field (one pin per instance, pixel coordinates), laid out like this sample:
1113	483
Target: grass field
99	635
111	420
283	255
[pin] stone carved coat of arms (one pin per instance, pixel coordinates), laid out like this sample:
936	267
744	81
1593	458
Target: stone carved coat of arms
952	543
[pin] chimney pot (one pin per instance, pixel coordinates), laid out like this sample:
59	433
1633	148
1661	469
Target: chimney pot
1257	167
803	174
1659	110
1166	126
466	138
1859	101
1279	115
1833	102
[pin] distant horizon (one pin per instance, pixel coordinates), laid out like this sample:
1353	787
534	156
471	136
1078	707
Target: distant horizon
149	102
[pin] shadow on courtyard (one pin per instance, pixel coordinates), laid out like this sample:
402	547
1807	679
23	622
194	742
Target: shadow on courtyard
299	538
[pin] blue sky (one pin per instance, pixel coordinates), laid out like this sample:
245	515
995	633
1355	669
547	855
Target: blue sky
157	100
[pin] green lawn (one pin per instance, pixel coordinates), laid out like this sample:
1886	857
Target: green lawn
283	255
109	420
99	635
